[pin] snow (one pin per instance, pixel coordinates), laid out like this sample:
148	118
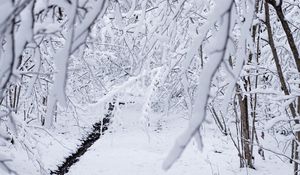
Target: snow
6	9
25	27
278	2
202	92
126	149
80	31
158	42
61	58
6	60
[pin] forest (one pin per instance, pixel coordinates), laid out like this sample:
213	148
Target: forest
150	87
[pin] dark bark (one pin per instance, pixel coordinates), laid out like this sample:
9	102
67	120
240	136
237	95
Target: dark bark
245	130
287	31
276	58
295	153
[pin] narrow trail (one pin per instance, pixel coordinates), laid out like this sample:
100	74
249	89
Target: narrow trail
98	129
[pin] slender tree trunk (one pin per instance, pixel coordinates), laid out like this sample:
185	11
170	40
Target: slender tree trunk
253	97
295	53
245	129
287	31
295	145
246	156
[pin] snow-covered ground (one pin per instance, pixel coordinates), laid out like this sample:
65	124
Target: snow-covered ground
128	149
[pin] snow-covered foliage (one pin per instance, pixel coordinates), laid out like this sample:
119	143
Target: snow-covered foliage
63	60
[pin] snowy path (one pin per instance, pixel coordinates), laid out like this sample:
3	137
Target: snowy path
99	129
129	151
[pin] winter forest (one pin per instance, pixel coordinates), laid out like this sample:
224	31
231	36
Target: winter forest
150	87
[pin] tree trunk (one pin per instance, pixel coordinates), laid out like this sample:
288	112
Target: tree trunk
295	145
245	129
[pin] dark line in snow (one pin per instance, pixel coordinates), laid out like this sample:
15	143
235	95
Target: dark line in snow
98	130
